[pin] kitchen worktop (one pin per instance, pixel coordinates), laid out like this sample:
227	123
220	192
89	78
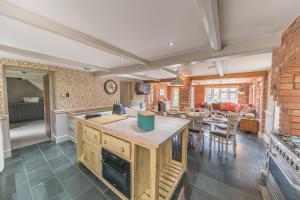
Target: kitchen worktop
165	128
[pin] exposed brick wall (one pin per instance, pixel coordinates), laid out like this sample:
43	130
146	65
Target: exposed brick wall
199	94
244	98
184	94
285	83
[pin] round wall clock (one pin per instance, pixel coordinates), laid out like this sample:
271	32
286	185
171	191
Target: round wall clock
110	86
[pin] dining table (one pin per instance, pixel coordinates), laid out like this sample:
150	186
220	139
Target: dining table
211	120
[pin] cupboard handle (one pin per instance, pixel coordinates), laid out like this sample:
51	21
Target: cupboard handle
104	141
122	149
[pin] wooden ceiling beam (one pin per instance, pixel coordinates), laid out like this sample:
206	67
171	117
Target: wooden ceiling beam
253	46
49	58
15	12
256	74
210	17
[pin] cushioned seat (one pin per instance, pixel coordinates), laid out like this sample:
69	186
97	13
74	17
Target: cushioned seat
219	133
221	126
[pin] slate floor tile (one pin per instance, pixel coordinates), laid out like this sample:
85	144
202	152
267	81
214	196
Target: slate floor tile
22	192
92	193
109	194
39	176
32	156
12	168
35	164
66	172
47	190
59	161
76	185
13	180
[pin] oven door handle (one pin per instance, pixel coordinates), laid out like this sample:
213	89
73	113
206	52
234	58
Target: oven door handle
276	158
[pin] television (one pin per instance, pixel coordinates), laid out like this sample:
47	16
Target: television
142	88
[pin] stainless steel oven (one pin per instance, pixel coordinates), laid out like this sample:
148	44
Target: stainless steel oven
116	171
282	170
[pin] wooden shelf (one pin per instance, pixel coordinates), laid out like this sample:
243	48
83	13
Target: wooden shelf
168	181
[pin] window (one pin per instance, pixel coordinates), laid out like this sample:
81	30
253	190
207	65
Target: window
161	92
175	97
215	95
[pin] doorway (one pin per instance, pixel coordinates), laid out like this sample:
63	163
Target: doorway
126	93
28	105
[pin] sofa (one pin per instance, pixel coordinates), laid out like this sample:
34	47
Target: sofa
224	108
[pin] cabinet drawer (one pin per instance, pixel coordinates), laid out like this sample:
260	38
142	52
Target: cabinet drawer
91	135
116	145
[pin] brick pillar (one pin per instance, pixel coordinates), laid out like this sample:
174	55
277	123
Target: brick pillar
184	93
285	83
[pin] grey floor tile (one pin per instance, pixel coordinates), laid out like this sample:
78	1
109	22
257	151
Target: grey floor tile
76	185
13	180
62	196
46	143
52	151
22	192
39	176
35	164
32	155
30	148
59	161
69	151
66	172
47	190
109	194
15	156
66	145
12	168
197	194
92	193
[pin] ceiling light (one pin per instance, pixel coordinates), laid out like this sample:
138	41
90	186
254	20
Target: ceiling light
171	43
193	63
122	58
87	68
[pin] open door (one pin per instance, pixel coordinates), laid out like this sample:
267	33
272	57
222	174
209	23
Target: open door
47	106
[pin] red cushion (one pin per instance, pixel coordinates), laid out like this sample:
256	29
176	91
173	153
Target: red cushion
231	106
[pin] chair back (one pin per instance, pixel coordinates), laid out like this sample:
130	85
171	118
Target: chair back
232	124
198	121
176	115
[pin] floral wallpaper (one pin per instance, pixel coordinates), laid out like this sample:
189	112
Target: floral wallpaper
85	90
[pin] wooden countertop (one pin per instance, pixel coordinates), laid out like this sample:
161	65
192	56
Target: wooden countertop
127	129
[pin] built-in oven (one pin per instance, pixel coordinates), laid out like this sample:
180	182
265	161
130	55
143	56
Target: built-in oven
283	181
116	171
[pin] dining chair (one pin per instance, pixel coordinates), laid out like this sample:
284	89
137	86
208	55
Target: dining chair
196	127
230	115
225	137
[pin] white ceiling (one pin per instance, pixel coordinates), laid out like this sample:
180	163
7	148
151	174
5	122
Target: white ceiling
258	62
242	19
144	28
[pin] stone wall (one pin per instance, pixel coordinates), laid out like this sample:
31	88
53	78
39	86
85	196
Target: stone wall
85	89
285	83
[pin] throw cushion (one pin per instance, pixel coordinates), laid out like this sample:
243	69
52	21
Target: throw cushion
231	107
223	106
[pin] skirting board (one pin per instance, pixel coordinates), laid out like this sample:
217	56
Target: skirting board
60	139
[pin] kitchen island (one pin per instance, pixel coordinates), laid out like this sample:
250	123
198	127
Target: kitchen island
133	163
